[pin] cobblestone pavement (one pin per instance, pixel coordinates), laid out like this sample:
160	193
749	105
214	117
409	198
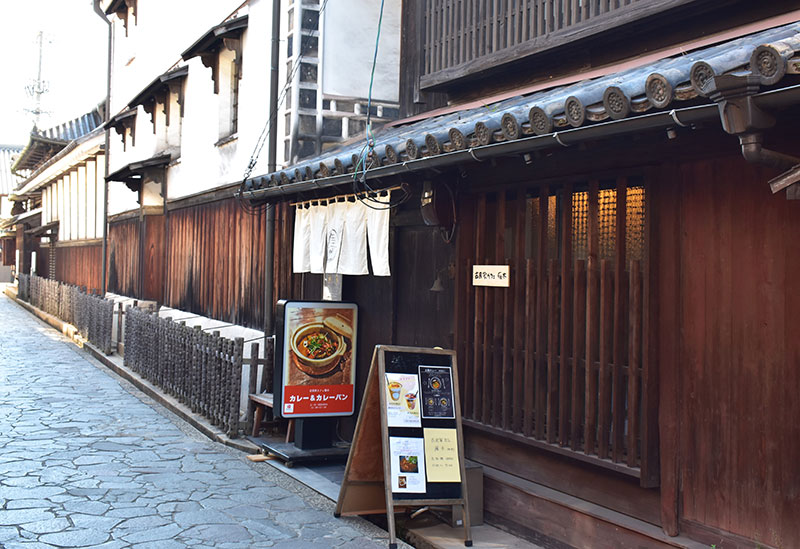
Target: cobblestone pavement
88	461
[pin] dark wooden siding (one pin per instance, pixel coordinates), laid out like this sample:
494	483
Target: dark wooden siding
79	265
739	361
215	261
123	257
9	250
153	257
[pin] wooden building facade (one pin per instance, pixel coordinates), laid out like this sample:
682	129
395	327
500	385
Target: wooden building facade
634	384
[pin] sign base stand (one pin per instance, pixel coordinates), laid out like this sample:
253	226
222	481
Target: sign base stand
314	433
291	454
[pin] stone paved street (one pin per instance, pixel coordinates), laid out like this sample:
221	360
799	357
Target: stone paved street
88	461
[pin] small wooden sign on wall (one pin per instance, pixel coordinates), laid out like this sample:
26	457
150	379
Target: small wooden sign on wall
491	275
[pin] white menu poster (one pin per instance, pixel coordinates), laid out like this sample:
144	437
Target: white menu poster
407	464
402	400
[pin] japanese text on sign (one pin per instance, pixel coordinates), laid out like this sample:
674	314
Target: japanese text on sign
490	275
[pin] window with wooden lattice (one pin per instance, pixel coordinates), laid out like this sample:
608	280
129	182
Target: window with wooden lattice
557	360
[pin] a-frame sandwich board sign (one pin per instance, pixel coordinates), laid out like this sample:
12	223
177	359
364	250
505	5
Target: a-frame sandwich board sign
410	417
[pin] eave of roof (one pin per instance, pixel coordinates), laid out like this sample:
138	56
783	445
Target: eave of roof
157	85
45	143
211	40
41	229
120	117
548	117
41	176
114	6
27	216
131	174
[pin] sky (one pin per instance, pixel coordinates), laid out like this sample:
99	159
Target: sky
73	63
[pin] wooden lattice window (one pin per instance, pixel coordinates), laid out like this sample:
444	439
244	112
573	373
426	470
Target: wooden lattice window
578	258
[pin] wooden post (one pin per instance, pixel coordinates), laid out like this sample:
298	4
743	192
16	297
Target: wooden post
251	385
236	386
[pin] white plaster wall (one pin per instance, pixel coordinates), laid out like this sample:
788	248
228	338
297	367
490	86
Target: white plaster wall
205	164
154	44
349	29
156	38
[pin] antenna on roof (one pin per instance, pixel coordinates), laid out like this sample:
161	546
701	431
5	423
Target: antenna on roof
37	88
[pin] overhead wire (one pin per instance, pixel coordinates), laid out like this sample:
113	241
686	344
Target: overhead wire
368	150
268	128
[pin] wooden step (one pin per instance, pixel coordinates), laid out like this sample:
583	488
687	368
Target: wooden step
544	515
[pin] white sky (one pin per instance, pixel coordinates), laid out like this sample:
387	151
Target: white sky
74	62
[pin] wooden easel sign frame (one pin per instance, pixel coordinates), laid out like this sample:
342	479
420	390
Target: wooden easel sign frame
411	411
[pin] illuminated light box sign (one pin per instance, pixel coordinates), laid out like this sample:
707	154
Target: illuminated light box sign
315	351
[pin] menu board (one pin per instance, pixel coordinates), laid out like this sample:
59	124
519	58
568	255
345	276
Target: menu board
441	455
419	406
407	464
402	391
437	392
410	415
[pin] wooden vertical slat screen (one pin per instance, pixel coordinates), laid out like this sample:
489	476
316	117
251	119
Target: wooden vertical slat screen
558	355
459	31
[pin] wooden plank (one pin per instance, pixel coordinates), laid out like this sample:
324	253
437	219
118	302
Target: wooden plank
558	468
620	327
605	352
541	316
592	319
661	389
530	347
578	353
634	363
480	312
519	283
442	54
488	354
552	349
565	374
463	31
464	312
499	341
494	26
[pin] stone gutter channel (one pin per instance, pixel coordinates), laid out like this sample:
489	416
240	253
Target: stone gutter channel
424	532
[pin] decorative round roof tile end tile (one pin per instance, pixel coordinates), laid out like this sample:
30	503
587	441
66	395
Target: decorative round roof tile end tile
457	139
540	122
285	179
324	170
411	149
658	90
391	155
767	62
339	166
432	144
309	172
575	111
616	103
510	127
700	76
298	174
483	134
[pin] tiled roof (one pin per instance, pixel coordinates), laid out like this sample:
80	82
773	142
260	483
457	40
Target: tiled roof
45	143
666	84
8	181
72	129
